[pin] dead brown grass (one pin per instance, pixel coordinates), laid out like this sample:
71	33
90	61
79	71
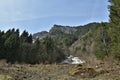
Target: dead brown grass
61	72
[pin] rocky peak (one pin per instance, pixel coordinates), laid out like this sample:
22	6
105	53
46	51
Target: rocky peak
40	35
62	29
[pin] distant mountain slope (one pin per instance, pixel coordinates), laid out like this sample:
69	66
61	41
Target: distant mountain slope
75	40
59	30
56	29
83	46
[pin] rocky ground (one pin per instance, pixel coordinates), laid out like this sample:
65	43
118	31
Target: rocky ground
101	71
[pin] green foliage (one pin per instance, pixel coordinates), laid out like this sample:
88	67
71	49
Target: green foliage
67	40
20	48
52	52
82	30
29	39
107	36
12	41
9	44
1	45
114	29
25	38
12	45
102	41
84	49
37	43
65	36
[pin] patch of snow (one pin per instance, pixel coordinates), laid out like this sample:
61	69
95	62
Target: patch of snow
76	60
73	60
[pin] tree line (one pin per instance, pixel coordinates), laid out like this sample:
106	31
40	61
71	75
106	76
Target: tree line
20	48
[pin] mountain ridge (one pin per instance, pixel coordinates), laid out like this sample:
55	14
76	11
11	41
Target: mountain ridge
61	30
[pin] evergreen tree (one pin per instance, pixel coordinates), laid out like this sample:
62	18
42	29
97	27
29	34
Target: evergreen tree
24	37
102	41
1	45
37	43
17	32
29	39
12	46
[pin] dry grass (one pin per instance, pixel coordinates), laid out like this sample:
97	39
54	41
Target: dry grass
59	72
3	63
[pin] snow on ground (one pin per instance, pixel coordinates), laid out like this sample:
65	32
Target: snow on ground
73	60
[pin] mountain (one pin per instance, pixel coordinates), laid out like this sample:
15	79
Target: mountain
59	30
71	38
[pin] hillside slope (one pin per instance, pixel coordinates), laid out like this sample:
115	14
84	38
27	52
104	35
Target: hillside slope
65	36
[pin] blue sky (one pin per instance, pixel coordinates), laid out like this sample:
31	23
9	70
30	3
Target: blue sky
38	15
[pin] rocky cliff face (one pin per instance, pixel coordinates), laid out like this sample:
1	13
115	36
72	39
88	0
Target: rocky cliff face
40	35
62	29
55	31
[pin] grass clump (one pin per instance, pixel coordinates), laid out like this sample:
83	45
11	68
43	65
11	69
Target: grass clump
6	77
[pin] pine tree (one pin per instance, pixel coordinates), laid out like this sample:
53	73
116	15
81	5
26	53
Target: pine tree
24	37
1	46
37	43
102	40
29	39
12	45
